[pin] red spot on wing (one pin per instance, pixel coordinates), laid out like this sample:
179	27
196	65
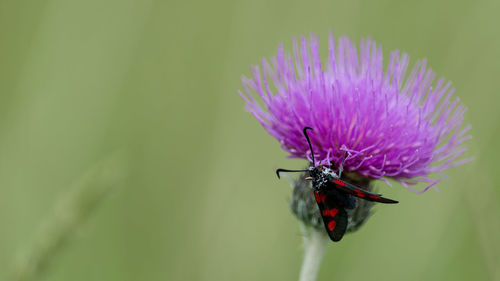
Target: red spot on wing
331	225
339	182
331	212
359	193
374	197
320	197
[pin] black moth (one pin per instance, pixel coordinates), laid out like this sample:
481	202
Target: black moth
334	195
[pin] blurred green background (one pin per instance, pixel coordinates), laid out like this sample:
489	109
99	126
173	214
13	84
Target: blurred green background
198	199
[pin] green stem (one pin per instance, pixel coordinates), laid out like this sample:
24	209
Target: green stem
315	244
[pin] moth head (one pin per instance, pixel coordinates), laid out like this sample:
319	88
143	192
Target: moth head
320	176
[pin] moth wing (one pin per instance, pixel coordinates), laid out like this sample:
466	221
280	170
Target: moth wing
361	193
333	214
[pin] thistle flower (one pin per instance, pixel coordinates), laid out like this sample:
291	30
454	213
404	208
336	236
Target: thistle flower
393	124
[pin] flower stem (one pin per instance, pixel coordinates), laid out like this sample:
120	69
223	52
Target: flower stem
315	244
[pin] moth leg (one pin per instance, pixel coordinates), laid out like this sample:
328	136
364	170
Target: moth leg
341	167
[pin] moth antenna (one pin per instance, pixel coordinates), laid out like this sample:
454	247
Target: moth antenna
309	142
278	171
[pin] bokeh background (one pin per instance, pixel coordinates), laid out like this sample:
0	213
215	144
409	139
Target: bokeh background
193	194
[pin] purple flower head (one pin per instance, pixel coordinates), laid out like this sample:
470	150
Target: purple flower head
390	123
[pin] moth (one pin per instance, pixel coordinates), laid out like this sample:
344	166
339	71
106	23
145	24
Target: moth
334	195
